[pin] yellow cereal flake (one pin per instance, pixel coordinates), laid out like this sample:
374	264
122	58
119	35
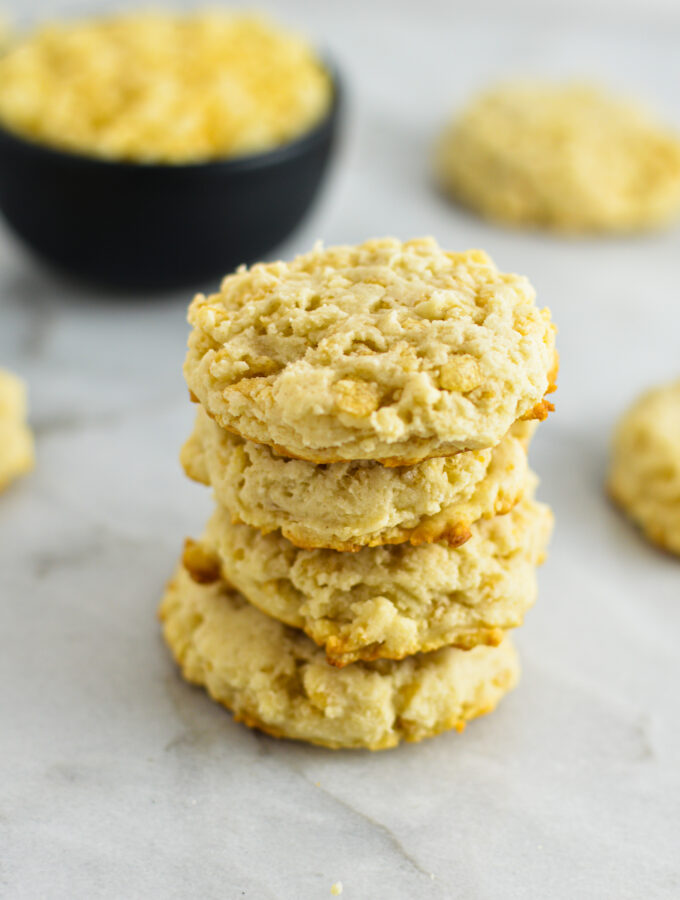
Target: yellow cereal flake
355	397
157	87
461	374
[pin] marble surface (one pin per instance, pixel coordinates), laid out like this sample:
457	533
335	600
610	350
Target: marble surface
119	781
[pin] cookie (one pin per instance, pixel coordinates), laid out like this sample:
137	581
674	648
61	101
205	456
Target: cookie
387	351
345	506
275	679
385	602
16	441
567	157
644	477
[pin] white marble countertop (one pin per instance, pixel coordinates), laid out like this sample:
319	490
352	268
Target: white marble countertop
120	781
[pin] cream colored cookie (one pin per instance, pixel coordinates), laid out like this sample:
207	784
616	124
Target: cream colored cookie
275	679
645	469
385	602
345	506
387	351
16	441
568	157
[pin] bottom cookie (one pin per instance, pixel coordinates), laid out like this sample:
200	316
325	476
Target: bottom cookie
276	679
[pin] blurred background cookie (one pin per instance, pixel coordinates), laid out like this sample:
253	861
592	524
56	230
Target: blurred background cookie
644	478
568	157
16	440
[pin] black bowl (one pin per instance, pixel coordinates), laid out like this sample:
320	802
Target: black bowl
159	226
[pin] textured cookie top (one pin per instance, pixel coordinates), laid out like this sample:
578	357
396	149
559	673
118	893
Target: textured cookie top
162	87
16	441
569	157
276	679
645	469
386	350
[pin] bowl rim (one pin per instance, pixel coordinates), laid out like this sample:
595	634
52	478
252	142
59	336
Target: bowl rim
226	165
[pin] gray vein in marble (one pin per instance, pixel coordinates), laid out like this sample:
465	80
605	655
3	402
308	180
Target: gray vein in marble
195	736
39	326
91	419
394	842
643	727
46	563
201	728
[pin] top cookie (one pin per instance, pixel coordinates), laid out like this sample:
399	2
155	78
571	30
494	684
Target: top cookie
567	157
387	350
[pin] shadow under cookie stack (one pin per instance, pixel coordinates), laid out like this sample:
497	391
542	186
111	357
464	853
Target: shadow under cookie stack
364	419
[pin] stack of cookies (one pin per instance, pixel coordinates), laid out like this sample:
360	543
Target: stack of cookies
364	419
